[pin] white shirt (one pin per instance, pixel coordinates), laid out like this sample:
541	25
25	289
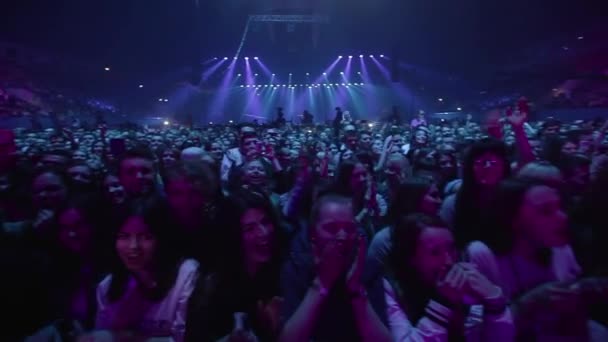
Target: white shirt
167	317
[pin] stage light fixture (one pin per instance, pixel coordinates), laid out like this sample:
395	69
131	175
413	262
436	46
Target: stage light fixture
160	100
339	56
235	58
273	74
341	73
211	122
580	38
350	56
106	68
166	123
141	85
246	58
230	121
381	56
307	74
371	56
239	75
255	75
359	73
324	73
360	56
459	109
225	58
242	86
166	100
440	99
255	58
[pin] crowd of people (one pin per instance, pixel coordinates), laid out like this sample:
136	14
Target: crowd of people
351	231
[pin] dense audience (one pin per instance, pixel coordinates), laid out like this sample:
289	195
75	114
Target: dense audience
350	231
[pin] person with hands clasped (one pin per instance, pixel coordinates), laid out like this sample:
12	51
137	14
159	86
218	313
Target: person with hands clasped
326	297
430	296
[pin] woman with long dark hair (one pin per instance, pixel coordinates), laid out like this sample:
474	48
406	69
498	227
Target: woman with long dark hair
417	195
354	180
431	296
248	280
485	165
535	264
149	285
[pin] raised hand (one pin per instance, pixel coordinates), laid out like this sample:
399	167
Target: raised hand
478	285
452	286
331	262
517	118
353	277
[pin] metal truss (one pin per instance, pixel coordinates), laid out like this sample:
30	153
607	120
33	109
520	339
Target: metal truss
292	18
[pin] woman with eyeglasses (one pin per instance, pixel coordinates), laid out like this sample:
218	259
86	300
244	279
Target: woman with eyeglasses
485	166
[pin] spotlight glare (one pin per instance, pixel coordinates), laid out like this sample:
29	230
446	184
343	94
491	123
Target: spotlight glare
242	86
381	56
141	85
230	121
166	123
360	56
359	73
341	73
371	56
106	68
166	100
255	75
239	75
440	99
246	58
273	74
307	74
255	58
458	109
225	58
350	56
160	100
324	73
235	58
339	56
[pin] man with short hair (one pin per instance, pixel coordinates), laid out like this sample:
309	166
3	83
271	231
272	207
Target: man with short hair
249	146
136	173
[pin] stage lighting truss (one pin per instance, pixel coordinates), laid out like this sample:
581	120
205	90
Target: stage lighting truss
323	19
293	86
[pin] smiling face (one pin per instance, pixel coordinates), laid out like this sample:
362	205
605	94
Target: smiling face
136	245
114	191
254	173
257	236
